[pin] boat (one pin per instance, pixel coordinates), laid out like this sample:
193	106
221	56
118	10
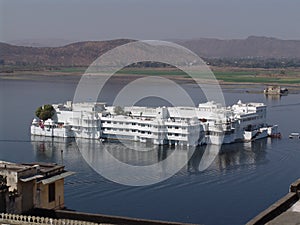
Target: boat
208	123
294	135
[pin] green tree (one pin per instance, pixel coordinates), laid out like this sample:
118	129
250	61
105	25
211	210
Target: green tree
119	110
45	112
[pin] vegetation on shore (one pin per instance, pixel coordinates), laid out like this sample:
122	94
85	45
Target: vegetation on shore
280	76
284	76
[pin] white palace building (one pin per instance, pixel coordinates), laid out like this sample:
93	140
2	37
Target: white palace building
209	123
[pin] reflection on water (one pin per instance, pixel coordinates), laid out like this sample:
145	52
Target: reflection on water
62	150
230	155
250	153
273	98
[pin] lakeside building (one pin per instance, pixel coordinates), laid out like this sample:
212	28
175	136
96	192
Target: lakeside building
31	185
276	90
209	123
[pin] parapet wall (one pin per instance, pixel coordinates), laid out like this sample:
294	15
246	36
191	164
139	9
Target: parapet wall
106	219
278	207
14	219
64	217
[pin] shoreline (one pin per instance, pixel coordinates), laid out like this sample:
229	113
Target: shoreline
75	76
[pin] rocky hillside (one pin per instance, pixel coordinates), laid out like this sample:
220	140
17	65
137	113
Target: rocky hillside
83	53
76	54
240	48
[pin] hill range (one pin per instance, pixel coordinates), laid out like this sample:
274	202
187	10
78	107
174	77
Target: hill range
81	54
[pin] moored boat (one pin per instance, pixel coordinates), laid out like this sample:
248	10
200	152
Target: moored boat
294	135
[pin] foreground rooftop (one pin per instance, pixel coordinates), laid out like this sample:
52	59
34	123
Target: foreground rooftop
286	211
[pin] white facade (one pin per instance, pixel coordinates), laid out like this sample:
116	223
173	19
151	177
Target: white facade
209	123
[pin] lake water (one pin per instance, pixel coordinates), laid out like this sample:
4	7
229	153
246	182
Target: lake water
243	179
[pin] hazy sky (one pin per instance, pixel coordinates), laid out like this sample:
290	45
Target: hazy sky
148	19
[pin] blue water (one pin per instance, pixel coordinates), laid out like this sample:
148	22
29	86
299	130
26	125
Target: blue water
243	179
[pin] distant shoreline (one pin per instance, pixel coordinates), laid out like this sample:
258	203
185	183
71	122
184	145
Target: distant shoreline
75	76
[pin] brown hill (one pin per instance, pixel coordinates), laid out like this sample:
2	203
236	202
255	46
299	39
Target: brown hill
240	48
76	54
84	53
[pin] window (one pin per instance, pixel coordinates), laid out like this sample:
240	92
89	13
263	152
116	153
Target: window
51	192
